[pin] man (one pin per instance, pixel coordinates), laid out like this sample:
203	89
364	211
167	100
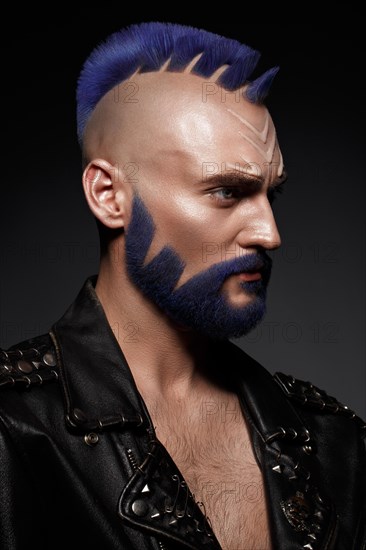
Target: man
135	423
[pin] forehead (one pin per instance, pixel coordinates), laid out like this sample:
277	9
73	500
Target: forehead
192	119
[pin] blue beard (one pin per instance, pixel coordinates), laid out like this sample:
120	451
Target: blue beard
199	303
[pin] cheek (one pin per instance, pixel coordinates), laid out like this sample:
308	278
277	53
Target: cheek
186	225
200	231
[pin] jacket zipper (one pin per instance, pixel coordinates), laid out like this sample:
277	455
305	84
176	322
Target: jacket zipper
132	459
134	465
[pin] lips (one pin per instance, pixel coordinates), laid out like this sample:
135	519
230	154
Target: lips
251	273
249	276
249	268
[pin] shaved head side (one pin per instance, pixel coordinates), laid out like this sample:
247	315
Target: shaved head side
173	117
151	47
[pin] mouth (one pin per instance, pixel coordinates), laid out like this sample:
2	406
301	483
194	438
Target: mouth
247	277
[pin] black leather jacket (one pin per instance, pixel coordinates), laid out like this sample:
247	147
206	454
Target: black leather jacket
81	467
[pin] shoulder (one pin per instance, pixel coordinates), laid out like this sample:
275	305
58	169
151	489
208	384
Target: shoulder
29	363
312	401
324	412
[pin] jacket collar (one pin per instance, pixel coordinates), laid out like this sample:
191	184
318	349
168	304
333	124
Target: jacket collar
98	386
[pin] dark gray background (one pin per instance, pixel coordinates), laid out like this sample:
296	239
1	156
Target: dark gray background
315	324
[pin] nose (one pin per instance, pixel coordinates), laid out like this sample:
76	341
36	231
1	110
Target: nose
259	228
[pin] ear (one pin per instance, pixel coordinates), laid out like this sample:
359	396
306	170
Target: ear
104	192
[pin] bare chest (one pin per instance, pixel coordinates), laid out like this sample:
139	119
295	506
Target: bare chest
217	461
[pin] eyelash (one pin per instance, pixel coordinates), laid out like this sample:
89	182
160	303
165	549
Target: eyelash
272	194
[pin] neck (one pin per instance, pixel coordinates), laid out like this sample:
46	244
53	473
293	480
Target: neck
166	360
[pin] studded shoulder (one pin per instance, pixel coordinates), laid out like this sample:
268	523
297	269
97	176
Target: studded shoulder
29	363
310	396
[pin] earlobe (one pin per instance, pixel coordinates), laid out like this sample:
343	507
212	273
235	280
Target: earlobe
104	193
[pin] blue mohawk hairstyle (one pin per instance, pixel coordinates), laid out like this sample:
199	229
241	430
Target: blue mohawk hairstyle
145	47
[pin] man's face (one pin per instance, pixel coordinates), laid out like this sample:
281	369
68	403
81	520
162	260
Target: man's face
205	164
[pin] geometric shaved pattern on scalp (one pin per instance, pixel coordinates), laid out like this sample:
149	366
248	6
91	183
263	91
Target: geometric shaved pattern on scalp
261	143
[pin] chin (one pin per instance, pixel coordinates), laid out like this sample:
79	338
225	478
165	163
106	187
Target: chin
239	301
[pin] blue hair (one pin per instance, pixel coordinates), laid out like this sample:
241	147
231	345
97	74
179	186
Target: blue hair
147	46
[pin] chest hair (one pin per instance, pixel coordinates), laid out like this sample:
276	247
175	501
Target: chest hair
210	444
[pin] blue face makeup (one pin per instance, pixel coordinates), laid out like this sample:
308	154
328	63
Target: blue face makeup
199	303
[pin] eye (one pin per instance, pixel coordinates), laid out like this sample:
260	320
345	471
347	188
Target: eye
227	194
224	193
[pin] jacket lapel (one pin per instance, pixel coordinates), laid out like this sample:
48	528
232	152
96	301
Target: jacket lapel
157	499
301	514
